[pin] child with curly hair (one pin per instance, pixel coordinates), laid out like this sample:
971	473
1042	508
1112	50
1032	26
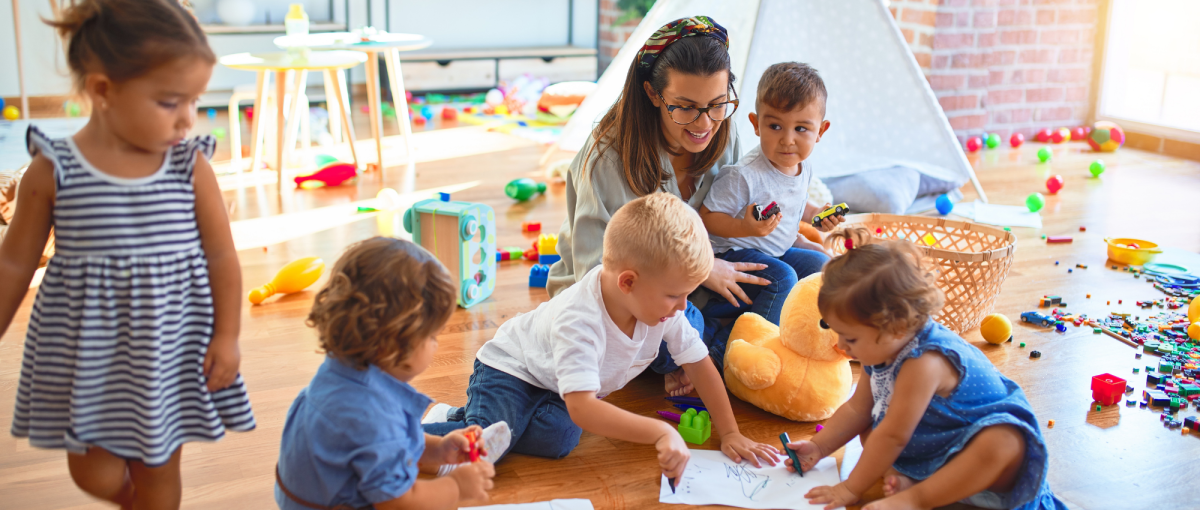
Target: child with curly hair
353	437
936	419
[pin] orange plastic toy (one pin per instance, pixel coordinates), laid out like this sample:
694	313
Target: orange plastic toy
294	277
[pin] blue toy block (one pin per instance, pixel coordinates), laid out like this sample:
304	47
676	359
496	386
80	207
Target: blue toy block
462	236
538	274
548	259
445	197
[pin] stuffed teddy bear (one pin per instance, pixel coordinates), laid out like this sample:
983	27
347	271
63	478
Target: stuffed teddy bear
794	370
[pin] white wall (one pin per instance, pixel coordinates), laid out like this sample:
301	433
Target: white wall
467	24
45	64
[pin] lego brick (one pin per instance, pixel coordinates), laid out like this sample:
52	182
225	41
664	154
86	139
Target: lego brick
695	427
1156	398
548	259
538	274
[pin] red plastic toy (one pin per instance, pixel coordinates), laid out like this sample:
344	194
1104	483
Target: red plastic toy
474	439
974	143
1042	136
1054	183
1016	140
531	226
1107	389
449	114
1079	133
1059	239
331	175
1060	135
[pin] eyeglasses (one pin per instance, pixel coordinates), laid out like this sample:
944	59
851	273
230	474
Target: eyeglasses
684	115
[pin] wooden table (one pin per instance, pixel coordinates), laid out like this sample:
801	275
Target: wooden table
280	64
387	45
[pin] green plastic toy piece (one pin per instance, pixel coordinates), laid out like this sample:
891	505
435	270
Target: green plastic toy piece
524	189
695	428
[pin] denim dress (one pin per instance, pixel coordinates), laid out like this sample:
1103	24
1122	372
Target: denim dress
983	398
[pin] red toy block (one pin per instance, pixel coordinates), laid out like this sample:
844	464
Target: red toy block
1107	389
1059	239
531	226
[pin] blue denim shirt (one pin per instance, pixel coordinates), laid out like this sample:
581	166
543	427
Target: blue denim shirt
352	436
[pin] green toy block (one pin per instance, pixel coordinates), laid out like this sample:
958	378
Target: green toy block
1166	348
1188	390
1165	367
695	428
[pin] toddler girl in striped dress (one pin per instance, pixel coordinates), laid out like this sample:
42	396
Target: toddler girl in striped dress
131	348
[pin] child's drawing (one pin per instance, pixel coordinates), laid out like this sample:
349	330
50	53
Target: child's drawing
712	479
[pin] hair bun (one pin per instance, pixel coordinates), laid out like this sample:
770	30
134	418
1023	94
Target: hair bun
72	18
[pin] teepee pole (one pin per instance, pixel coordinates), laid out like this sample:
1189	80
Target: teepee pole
20	63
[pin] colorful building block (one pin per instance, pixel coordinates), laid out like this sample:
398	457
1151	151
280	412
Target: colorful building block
538	275
1107	389
462	236
695	427
531	226
547	247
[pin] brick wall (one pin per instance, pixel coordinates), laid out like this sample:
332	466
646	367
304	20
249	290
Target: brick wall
1004	65
612	37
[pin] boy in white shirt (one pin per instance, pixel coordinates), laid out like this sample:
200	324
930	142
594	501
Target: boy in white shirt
789	120
547	371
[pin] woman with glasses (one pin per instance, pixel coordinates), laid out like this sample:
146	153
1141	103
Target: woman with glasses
667	131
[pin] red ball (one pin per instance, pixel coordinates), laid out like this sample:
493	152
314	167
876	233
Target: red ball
1054	184
1060	135
449	113
1016	140
1042	136
1078	133
974	143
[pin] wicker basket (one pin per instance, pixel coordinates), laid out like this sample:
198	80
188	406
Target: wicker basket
971	260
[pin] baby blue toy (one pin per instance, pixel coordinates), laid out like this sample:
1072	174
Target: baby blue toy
462	235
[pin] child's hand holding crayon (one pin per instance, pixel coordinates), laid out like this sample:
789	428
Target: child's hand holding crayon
464	445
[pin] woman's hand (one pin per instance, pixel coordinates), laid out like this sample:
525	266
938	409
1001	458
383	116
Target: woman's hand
725	276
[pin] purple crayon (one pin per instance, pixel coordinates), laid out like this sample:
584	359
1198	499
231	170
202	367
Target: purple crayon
686	400
685	407
669	415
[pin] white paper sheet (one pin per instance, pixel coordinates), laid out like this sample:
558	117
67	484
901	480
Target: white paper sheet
712	479
557	504
850	456
999	215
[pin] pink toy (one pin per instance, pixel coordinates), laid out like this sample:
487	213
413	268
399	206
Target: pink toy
1016	140
1054	183
1042	136
974	143
1079	133
332	175
1060	135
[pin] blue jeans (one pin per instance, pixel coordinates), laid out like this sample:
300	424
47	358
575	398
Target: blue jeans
766	300
538	418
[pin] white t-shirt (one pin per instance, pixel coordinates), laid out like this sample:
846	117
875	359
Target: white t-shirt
754	180
571	344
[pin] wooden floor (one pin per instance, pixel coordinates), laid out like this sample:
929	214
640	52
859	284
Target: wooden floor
1118	458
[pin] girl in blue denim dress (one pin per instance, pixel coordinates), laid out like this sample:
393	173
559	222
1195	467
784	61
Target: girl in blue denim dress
937	421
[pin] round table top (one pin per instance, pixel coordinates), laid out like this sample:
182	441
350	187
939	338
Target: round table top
352	41
282	61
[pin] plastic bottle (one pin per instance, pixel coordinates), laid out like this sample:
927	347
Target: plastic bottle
296	21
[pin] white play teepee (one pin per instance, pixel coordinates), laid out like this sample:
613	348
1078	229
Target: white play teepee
883	112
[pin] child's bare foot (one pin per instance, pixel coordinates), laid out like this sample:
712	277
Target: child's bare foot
677	383
894	482
901	501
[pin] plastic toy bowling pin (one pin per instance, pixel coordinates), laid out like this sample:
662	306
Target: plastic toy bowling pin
294	277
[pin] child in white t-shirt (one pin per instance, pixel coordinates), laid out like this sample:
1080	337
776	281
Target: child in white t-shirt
789	121
546	372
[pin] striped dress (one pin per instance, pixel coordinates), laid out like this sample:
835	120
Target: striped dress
115	349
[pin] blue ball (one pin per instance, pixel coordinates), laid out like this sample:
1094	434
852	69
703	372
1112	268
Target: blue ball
944	205
212	114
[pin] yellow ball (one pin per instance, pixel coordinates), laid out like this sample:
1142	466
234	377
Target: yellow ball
996	328
11	113
1194	310
1194	331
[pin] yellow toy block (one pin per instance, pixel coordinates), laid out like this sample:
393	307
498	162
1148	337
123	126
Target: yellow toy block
547	244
